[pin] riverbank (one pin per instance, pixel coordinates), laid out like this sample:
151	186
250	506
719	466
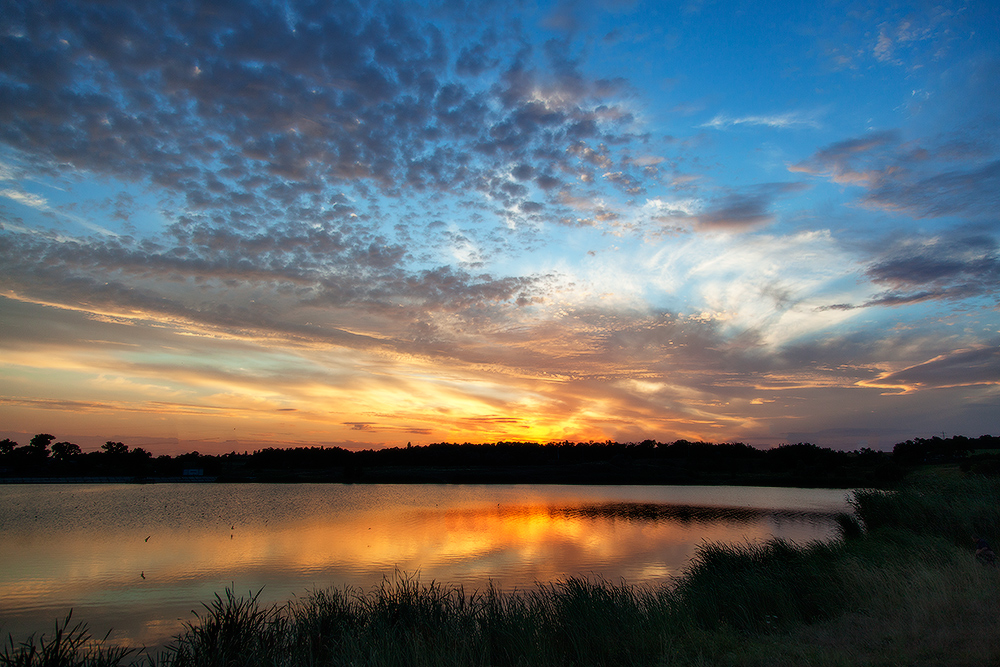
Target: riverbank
900	587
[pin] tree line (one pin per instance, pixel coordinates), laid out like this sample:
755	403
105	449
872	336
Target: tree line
648	461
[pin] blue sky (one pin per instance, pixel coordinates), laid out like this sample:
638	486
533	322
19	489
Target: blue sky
232	225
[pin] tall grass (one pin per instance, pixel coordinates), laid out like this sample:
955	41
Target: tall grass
232	631
760	587
951	508
403	622
68	646
900	586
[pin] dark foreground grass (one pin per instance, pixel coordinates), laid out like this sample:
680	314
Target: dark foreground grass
901	587
69	644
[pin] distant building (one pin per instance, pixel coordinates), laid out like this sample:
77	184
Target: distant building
194	472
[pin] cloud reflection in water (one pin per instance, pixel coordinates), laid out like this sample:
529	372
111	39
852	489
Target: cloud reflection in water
85	548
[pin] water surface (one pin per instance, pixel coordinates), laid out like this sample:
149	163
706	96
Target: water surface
138	559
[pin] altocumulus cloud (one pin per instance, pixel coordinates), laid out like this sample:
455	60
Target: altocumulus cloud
242	109
251	118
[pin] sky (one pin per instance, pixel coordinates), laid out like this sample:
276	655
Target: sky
228	225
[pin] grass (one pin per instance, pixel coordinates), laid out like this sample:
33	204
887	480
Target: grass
954	508
404	622
901	586
67	646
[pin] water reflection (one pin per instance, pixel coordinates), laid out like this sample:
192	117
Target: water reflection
688	513
140	558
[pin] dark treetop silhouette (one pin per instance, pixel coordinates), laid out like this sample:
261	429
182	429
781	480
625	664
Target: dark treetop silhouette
646	462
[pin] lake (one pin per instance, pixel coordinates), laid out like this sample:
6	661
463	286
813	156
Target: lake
138	559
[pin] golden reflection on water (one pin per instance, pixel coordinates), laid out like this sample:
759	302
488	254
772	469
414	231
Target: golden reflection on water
145	561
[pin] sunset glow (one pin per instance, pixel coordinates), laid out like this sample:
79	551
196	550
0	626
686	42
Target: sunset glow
233	226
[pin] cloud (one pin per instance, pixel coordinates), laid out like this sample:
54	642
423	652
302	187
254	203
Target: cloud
355	99
784	121
742	211
904	41
883	48
737	213
838	161
961	368
156	281
953	192
946	268
911	178
361	426
940	261
26	198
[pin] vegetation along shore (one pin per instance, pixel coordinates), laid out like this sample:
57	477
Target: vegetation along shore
900	586
647	462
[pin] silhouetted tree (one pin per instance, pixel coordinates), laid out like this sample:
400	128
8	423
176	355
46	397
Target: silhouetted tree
63	451
40	445
932	450
7	446
115	448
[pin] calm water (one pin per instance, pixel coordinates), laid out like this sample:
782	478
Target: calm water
139	559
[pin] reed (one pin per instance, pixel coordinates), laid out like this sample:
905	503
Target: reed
760	587
952	508
233	630
67	646
402	622
900	586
